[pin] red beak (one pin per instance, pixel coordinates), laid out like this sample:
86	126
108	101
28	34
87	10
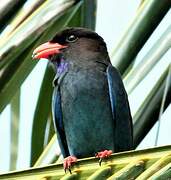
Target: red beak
46	49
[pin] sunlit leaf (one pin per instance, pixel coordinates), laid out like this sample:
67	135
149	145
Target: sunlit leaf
137	74
148	113
15	120
19	65
138	32
140	164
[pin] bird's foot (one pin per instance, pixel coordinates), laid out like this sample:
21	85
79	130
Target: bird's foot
102	155
68	162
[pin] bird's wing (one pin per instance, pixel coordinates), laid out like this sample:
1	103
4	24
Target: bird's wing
58	122
120	110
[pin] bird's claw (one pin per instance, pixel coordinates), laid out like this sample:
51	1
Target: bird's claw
103	154
68	162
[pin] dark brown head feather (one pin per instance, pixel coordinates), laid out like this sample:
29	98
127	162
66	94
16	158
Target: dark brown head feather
61	36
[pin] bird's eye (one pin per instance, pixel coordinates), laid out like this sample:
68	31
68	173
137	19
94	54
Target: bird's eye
71	38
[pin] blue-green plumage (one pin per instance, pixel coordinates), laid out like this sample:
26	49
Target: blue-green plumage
94	108
90	106
121	111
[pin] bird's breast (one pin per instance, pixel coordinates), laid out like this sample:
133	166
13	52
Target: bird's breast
86	111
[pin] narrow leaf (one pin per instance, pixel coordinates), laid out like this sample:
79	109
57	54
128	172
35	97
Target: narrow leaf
47	155
15	120
8	9
88	14
41	114
14	73
148	17
137	74
148	112
24	12
143	162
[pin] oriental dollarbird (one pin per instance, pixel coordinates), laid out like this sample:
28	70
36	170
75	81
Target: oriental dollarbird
90	106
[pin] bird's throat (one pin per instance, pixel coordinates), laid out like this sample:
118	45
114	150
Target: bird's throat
61	66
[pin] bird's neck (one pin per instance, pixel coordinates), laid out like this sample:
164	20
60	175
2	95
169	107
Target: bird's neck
61	66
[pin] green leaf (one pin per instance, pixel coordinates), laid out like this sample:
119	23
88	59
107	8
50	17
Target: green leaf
20	15
41	114
47	155
13	76
88	14
148	113
9	9
14	44
15	120
155	167
137	74
125	165
148	17
163	173
16	66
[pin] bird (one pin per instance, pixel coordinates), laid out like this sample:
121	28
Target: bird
90	106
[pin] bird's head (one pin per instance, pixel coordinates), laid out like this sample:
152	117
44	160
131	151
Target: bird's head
73	44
